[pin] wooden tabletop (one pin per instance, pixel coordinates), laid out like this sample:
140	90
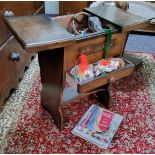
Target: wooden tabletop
38	32
120	18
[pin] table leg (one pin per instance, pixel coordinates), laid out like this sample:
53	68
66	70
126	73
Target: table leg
51	72
104	96
1	104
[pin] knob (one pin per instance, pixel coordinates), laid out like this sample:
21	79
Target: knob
112	80
8	14
15	56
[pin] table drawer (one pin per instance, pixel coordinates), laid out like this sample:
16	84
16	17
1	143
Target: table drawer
83	87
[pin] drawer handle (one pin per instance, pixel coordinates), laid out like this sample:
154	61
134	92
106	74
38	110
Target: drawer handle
112	80
15	56
8	13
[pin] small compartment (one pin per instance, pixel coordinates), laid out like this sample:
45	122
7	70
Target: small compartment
84	25
91	84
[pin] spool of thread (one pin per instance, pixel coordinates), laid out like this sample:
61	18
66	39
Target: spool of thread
83	63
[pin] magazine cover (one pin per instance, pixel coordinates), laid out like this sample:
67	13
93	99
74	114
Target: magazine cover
98	126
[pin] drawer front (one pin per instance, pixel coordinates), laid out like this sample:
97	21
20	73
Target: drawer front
4	32
94	49
104	80
12	61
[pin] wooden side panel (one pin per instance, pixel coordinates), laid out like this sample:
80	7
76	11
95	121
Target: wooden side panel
93	48
64	21
51	72
69	7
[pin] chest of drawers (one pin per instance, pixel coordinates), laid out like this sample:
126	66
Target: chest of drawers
13	59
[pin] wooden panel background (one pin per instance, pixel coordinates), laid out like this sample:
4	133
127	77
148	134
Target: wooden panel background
70	7
19	8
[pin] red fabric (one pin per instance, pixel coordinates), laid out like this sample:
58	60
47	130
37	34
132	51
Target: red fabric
105	62
37	133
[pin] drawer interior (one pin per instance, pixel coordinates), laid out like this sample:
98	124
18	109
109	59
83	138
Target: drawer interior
89	85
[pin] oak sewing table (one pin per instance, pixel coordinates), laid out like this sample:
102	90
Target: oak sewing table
58	51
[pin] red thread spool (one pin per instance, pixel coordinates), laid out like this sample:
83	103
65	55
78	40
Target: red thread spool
83	62
105	62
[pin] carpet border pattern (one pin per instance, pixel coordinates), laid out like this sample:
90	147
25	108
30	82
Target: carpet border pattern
9	115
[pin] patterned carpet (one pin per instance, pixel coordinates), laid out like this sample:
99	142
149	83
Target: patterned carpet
27	128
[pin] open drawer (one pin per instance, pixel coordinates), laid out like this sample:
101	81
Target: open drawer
86	86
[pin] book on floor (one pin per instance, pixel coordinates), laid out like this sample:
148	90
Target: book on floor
98	126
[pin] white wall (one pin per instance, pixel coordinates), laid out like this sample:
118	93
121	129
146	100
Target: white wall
52	7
